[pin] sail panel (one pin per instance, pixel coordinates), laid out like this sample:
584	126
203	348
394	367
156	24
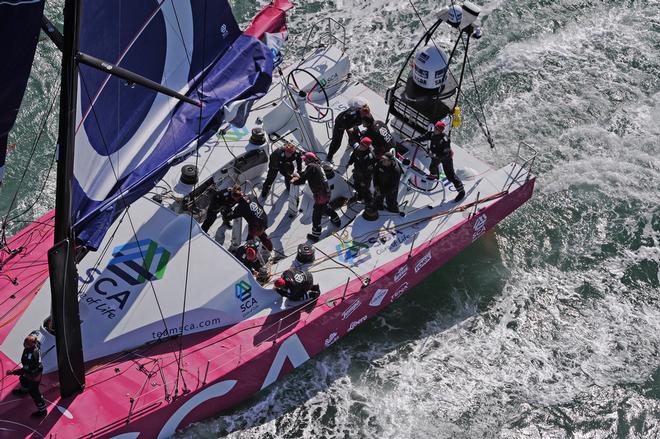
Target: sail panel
128	136
20	21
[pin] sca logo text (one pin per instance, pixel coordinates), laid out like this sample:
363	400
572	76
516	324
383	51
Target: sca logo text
132	264
243	292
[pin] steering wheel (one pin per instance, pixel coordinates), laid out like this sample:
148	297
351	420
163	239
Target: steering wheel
323	112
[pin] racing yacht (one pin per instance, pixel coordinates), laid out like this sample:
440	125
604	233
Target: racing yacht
147	323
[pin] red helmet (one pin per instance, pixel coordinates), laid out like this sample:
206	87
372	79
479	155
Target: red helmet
440	125
310	157
280	283
366	141
30	341
250	254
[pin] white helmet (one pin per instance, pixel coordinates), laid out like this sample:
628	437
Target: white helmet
357	102
430	67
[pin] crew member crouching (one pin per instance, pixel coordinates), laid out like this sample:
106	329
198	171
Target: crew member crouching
221	203
347	121
30	374
248	254
282	161
248	208
296	285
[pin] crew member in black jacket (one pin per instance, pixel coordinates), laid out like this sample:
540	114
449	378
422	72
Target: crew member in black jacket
318	183
296	284
363	161
248	208
440	149
221	202
347	120
282	160
30	374
387	175
380	135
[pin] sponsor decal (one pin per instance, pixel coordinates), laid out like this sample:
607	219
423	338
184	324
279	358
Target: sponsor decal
353	252
401	273
423	261
331	339
350	310
224	31
234	134
126	261
378	297
299	277
399	291
354	324
479	227
243	292
132	264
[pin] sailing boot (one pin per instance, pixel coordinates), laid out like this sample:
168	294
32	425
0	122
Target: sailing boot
335	220
19	391
315	235
460	196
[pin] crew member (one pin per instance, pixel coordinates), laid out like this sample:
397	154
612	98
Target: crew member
297	284
318	183
387	175
440	150
282	160
221	202
347	120
380	135
248	254
30	374
363	161
248	208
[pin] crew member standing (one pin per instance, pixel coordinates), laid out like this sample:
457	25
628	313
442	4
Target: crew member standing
347	120
380	135
318	183
248	208
363	161
282	161
440	149
387	175
30	374
221	202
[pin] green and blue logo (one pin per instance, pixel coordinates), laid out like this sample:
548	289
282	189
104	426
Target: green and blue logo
353	252
140	261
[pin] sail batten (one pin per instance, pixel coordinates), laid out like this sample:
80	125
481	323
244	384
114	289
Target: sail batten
128	136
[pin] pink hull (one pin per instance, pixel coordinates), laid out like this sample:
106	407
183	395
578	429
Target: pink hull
134	395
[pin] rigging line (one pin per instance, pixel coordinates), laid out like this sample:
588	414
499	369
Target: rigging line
481	105
121	195
179	371
27	165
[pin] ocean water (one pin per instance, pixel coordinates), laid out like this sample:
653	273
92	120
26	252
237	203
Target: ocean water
548	327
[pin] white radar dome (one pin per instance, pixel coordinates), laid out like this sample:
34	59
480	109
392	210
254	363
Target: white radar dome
454	15
430	67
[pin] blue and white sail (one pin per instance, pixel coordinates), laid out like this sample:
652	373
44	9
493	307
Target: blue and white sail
20	21
127	136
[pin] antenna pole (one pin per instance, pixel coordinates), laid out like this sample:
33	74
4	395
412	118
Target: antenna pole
61	263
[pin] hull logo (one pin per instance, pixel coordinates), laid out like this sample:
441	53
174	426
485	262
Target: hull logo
399	291
400	274
378	297
331	339
423	261
479	227
350	310
355	324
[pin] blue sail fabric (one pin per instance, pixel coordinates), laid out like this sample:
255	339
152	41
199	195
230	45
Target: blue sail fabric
128	136
20	21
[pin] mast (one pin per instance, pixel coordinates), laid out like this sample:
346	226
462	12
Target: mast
62	267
